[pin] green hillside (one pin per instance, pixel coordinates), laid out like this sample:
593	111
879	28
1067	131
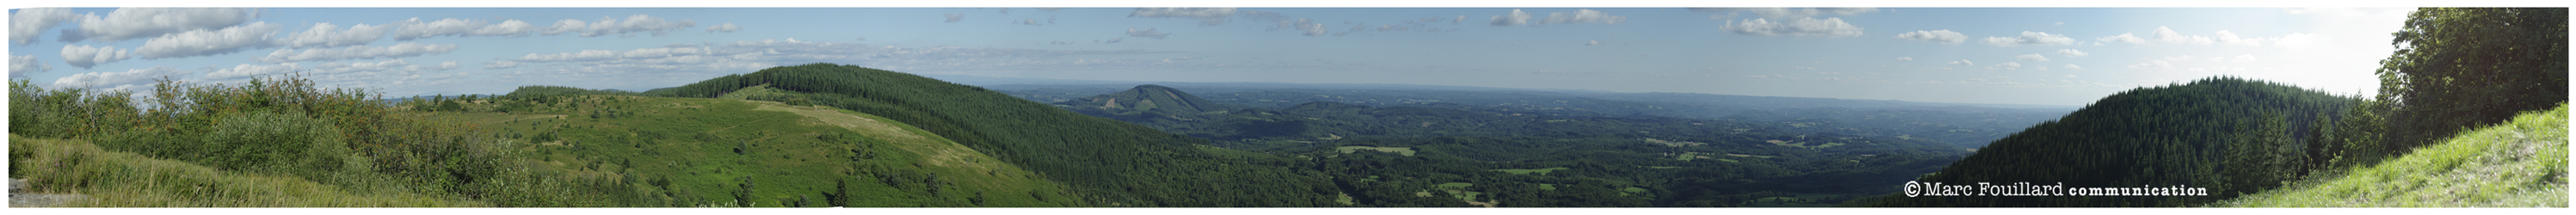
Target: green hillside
730	152
2230	135
122	179
2520	163
1111	163
1146	99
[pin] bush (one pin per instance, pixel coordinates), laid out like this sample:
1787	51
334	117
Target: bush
283	143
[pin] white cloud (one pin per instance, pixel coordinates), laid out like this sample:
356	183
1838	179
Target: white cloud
21	65
415	29
1147	33
2244	58
1904	59
1828	27
25	25
2229	38
2031	38
328	35
126	79
2180	58
1582	16
251	70
502	64
1777	13
2071	53
203	42
954	17
2073	67
1206	16
357	52
1221	12
2005	65
1303	25
132	23
727	27
1592	43
1515	18
610	25
1945	36
2156	64
2123	38
2031	57
2167	35
1963	62
84	56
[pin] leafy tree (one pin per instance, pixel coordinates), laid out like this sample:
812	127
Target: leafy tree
2466	67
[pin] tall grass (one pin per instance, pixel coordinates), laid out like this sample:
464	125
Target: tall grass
292	130
2519	163
119	179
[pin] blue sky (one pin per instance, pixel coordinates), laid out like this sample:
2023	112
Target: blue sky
2048	56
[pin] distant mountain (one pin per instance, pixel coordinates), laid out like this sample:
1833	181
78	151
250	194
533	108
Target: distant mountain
1146	99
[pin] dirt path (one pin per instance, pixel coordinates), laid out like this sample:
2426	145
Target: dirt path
26	200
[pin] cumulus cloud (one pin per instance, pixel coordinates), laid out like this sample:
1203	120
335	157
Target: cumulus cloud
251	70
204	42
2005	65
416	29
2167	35
610	25
2031	38
2073	67
727	27
328	35
1147	33
1777	13
2153	64
2243	58
1583	16
126	79
1904	58
1963	62
500	64
1592	43
2296	40
2071	53
357	52
2229	38
2122	38
21	65
84	56
2031	57
25	25
1206	16
133	23
1303	25
1828	27
1515	18
1945	36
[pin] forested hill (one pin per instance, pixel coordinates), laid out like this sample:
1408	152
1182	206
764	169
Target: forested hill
1112	162
2226	134
1147	99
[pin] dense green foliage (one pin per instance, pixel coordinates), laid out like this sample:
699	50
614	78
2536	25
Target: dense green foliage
286	126
1119	164
725	152
2519	163
1447	155
2230	135
2458	68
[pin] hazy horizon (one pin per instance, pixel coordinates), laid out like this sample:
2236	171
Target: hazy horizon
2032	56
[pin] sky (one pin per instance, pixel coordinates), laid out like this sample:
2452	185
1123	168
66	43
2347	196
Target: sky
2042	56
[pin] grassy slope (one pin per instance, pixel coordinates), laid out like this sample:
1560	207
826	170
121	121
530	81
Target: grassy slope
2521	163
121	179
690	142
